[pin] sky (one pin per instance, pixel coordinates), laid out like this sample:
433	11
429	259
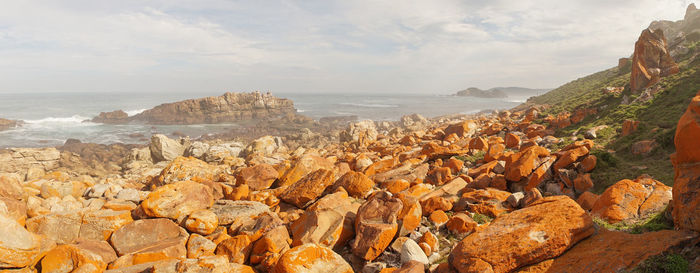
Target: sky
314	46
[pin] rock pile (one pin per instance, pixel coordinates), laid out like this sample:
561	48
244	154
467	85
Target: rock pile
448	196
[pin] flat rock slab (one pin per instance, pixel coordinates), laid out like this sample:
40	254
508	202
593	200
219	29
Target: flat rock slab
613	251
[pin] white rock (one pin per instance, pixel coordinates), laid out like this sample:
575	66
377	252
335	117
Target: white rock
410	251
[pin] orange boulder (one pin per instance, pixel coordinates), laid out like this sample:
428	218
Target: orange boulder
627	200
311	258
466	128
686	187
512	141
177	200
544	230
614	251
357	184
258	177
375	225
461	223
303	192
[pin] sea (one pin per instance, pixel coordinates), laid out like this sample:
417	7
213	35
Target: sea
53	117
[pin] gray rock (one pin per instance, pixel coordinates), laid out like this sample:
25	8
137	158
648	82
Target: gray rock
410	251
228	211
165	149
129	195
197	149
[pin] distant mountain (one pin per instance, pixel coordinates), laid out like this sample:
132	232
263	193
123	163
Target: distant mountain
500	92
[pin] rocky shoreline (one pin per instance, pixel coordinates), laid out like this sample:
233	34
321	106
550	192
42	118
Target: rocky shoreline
443	195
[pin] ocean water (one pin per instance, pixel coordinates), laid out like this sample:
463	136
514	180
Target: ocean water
52	118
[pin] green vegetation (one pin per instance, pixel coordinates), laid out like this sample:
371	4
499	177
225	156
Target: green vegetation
479	155
654	222
658	117
664	263
481	219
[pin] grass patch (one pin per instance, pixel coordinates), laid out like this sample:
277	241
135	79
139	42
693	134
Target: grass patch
473	158
664	263
655	222
481	219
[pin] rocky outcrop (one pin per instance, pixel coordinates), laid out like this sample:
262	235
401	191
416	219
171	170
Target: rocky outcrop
651	60
686	162
476	92
114	117
229	107
21	160
8	124
613	251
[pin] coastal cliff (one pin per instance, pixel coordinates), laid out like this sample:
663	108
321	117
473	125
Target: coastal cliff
229	107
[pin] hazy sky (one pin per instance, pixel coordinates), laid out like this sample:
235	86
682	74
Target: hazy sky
314	46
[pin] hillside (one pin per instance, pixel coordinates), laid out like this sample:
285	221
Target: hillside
657	108
500	92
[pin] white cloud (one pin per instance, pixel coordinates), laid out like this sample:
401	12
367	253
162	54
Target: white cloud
296	46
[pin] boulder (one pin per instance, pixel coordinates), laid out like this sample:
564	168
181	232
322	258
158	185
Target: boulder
264	146
236	248
311	258
305	191
100	224
177	200
361	132
165	149
220	152
614	251
18	247
410	251
268	249
686	187
328	222
544	230
651	60
375	225
63	228
87	256
258	177
197	149
10	186
303	166
149	240
462	129
520	165
199	246
202	221
357	184
228	211
187	168
631	200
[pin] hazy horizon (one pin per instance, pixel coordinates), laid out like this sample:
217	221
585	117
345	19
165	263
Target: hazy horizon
419	47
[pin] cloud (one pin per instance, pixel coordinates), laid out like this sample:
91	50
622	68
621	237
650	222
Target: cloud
315	46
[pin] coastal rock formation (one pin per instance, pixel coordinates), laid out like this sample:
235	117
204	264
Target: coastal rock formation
686	162
22	160
8	124
229	107
476	92
114	117
651	60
